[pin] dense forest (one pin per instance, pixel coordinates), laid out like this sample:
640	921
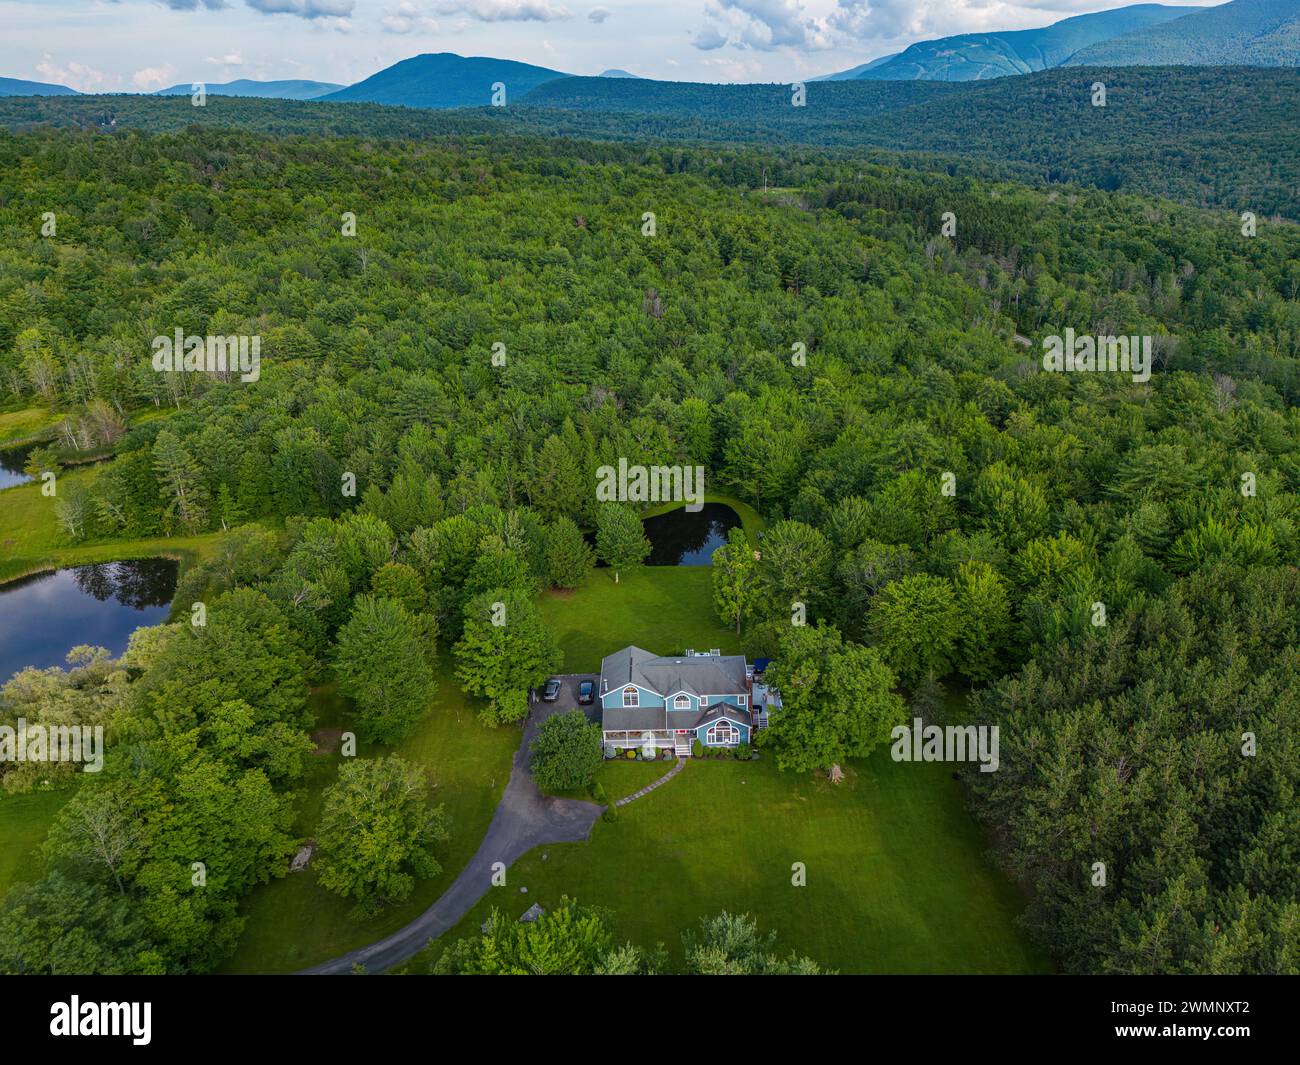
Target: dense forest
501	322
1204	136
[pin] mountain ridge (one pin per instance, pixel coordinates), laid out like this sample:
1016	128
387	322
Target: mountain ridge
1260	33
445	79
979	56
292	89
22	87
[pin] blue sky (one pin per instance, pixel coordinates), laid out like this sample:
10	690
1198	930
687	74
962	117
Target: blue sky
141	45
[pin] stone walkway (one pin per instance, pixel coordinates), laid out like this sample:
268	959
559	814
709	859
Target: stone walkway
681	764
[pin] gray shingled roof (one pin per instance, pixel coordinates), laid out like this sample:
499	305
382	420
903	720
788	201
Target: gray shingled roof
669	674
633	718
642	718
720	710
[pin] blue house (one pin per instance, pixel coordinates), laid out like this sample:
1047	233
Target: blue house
671	701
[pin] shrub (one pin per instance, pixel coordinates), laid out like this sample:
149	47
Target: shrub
631	752
598	793
743	752
697	749
566	752
611	813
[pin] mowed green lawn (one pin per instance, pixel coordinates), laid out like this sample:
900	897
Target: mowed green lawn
665	609
293	922
897	878
24	823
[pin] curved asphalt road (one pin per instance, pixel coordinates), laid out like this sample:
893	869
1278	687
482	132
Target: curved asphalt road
524	819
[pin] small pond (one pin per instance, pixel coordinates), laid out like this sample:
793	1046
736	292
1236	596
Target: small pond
43	617
682	538
11	465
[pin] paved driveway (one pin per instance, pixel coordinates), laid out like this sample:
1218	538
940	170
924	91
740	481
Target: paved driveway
524	819
568	697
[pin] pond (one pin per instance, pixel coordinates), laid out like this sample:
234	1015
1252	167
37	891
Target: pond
11	465
43	617
680	538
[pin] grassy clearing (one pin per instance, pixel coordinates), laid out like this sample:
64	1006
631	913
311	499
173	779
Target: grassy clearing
30	539
293	922
660	608
897	876
24	822
20	426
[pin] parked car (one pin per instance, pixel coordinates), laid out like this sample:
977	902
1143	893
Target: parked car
586	691
552	691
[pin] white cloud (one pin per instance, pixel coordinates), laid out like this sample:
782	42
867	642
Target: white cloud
408	17
763	25
75	75
920	19
597	15
735	69
504	10
709	38
151	78
308	9
232	59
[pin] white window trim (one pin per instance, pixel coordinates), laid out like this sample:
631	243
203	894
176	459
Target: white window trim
632	693
681	702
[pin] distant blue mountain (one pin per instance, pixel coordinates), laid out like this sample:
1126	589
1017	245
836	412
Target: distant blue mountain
445	79
1256	33
974	56
18	87
856	72
270	90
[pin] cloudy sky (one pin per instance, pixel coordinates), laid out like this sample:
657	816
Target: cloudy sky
141	45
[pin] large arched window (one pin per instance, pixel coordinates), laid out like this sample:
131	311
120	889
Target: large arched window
682	702
631	697
724	732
